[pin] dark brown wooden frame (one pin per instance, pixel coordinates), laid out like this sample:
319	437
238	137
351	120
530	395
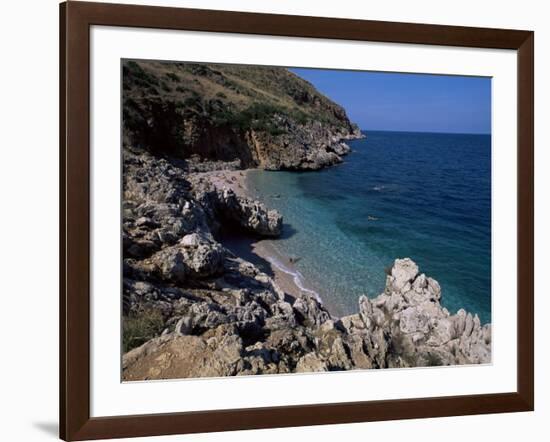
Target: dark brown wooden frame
75	21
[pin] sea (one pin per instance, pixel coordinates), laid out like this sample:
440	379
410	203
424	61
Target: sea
426	196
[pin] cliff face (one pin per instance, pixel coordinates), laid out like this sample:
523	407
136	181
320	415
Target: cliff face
262	116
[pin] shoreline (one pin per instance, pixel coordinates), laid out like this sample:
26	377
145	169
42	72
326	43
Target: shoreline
224	316
261	252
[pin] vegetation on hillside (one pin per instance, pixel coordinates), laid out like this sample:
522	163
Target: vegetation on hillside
171	105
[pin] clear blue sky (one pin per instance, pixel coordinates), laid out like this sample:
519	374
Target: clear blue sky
408	102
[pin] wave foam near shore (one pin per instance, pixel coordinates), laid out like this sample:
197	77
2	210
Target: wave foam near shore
297	277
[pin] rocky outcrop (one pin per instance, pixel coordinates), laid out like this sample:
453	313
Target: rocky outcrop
224	206
250	215
242	325
263	117
306	146
406	326
192	258
163	203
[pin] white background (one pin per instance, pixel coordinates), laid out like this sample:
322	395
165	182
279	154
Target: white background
29	184
110	397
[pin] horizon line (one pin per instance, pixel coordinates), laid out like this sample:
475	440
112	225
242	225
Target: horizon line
425	132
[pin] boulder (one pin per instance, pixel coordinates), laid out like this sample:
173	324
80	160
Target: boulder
403	272
310	311
248	214
311	362
180	262
172	356
191	240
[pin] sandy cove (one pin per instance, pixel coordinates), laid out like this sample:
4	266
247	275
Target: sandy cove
258	251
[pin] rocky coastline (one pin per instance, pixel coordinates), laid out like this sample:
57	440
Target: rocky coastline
219	315
193	308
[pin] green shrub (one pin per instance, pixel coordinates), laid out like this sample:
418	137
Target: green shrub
138	328
132	71
173	77
258	117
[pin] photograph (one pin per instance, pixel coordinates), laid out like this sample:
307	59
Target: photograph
227	221
280	220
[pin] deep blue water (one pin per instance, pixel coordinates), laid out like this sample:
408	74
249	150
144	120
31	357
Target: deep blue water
420	195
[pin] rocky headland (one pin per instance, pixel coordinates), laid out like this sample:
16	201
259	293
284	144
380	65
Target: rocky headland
191	307
259	116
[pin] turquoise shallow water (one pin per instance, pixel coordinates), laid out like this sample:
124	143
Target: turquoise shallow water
418	195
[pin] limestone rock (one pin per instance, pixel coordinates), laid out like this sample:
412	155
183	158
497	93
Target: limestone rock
179	263
251	215
402	274
310	311
311	362
191	240
172	357
407	326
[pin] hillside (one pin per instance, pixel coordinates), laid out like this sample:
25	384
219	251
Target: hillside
264	117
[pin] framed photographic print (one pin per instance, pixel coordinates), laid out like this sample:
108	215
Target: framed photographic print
272	220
